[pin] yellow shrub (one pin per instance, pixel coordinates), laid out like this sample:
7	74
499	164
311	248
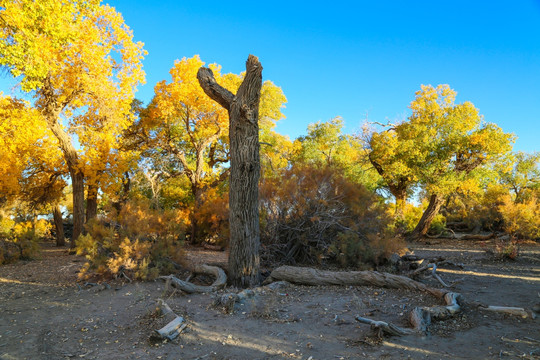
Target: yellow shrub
140	243
21	240
521	219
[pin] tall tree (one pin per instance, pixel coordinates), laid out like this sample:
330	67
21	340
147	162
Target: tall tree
77	57
439	147
325	145
453	141
243	109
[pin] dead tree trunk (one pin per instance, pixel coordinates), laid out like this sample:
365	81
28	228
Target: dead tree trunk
435	203
315	277
59	225
243	111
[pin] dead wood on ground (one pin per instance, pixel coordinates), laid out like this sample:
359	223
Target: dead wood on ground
175	324
190	288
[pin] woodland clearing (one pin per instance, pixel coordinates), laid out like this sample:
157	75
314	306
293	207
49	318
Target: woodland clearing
47	315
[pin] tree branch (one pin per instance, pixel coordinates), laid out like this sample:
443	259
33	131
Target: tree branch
215	91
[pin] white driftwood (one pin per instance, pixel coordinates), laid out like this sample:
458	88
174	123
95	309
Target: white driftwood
174	327
517	311
190	288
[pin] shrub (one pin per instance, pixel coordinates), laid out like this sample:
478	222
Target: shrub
213	218
21	240
314	216
521	219
138	243
507	249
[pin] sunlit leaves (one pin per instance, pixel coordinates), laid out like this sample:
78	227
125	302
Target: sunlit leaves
440	144
29	153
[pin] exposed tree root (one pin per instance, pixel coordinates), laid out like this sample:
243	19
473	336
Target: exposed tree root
420	317
190	288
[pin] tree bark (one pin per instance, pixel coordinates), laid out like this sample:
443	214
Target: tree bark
59	224
77	183
316	277
401	201
91	202
243	111
51	109
77	177
429	214
197	191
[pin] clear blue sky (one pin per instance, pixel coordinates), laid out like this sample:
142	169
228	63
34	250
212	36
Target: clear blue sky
358	58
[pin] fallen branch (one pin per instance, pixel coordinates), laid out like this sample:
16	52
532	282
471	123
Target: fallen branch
190	288
458	236
436	276
387	328
174	327
420	317
516	311
311	276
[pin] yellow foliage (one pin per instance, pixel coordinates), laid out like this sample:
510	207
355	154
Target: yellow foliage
21	240
80	59
28	150
521	219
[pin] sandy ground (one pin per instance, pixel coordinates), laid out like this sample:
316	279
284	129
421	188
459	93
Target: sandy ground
44	314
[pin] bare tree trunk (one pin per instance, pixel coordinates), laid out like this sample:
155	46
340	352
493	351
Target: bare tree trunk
91	202
126	186
195	229
435	203
77	177
401	201
243	111
59	224
77	182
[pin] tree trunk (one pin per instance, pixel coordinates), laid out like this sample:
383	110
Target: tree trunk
59	225
433	208
91	202
51	111
195	231
243	111
77	183
401	201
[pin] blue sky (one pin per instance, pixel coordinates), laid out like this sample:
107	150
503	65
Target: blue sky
358	59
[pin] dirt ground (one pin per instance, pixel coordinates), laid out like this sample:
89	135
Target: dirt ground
45	314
